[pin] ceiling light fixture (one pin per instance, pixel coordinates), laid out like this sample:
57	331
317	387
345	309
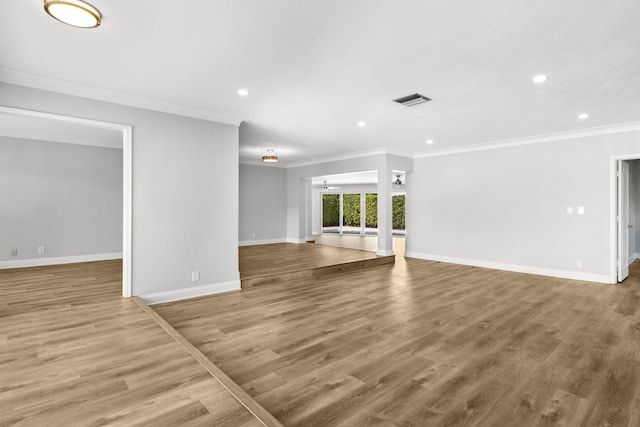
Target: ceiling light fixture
74	12
429	141
583	116
243	92
398	182
541	78
362	124
270	156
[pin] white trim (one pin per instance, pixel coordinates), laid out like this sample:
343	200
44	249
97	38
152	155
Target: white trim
296	241
632	257
127	177
22	78
261	242
38	262
613	205
191	292
127	210
602	130
563	274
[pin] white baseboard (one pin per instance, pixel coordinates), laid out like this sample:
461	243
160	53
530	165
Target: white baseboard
261	242
296	241
563	274
38	262
191	292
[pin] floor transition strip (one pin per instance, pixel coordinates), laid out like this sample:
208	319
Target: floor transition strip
245	400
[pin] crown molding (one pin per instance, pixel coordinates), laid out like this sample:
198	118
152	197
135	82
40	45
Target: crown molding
515	142
22	78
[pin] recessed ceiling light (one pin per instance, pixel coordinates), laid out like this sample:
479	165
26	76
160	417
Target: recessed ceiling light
429	141
583	116
362	124
540	78
74	12
243	92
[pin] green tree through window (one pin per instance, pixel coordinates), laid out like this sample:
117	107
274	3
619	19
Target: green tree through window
330	210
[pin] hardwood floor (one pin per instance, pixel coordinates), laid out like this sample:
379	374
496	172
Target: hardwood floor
363	243
428	344
265	264
74	352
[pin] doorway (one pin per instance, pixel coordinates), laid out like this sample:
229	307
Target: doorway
625	210
127	141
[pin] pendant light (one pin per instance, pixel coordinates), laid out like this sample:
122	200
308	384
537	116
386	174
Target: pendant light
270	156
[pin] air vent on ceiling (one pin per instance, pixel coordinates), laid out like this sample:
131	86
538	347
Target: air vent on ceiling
411	100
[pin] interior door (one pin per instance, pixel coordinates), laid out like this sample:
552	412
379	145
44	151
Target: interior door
623	220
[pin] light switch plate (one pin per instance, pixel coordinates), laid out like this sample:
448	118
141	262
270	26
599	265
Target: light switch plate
570	210
580	210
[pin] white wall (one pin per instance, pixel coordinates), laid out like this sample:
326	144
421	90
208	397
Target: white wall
65	197
263	204
183	218
507	207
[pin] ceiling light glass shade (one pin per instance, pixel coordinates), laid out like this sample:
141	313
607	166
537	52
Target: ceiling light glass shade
74	12
270	156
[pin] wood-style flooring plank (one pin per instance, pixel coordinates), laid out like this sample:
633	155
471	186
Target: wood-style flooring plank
74	352
427	343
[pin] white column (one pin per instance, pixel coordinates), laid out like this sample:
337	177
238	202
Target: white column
302	212
363	218
308	194
385	238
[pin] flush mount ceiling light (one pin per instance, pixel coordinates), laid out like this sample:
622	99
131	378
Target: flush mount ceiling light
583	116
270	156
541	78
74	12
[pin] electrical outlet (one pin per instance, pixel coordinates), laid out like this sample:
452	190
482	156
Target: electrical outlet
41	249
579	263
195	276
253	234
14	252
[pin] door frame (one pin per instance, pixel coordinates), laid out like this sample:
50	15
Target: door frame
127	149
613	211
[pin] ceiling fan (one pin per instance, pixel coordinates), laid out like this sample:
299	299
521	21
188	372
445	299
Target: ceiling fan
398	182
326	187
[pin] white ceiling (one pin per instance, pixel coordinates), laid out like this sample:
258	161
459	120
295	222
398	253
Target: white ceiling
316	68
